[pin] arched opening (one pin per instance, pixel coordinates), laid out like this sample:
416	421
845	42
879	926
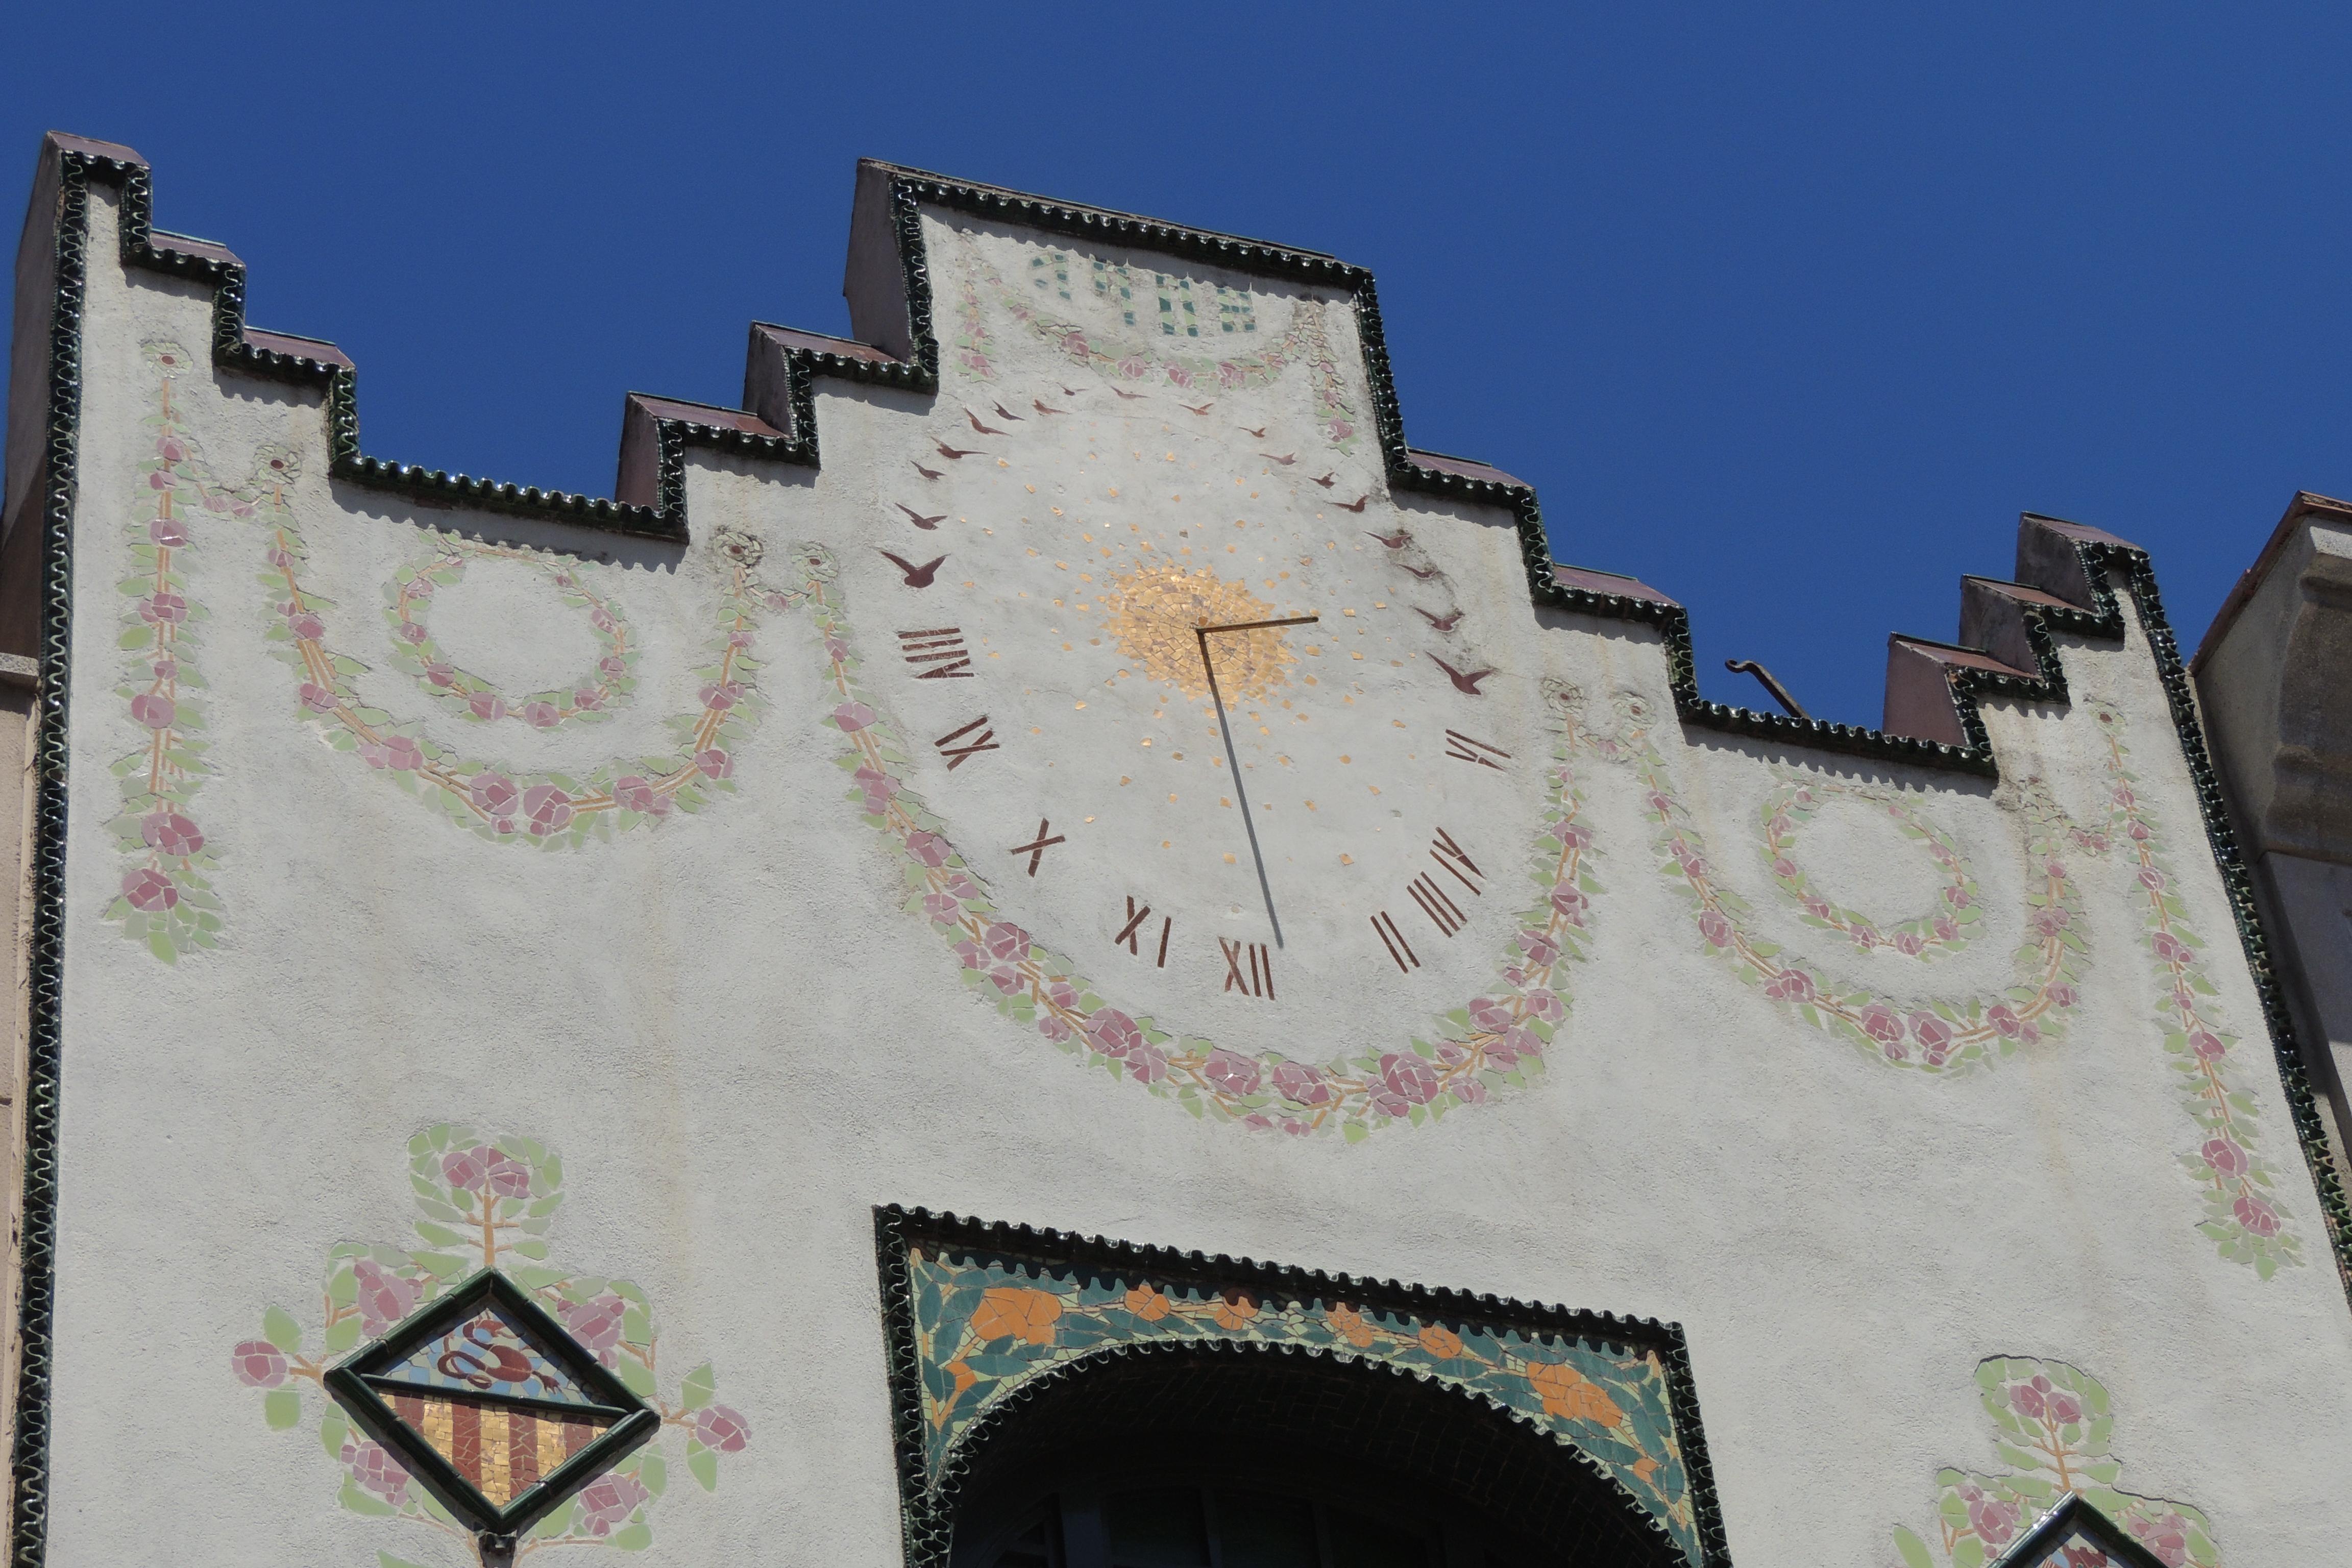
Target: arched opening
1218	1456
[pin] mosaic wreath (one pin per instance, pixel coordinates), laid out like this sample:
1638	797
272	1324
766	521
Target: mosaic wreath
459	692
1797	801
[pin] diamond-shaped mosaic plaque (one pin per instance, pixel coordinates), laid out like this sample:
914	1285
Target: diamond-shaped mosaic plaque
491	1405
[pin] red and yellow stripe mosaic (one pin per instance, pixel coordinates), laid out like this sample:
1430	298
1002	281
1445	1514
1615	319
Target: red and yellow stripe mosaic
501	1449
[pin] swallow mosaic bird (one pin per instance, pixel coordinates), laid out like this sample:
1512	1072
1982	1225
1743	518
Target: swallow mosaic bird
920	576
1463	682
917	518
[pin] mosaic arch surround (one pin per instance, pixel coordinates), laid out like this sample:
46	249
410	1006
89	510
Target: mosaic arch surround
978	1315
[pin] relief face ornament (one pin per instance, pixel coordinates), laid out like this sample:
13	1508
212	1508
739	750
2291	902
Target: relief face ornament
487	1401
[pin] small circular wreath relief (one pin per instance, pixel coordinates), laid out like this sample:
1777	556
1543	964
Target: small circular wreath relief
1943	929
588	700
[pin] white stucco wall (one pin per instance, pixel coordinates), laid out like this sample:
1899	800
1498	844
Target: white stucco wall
740	1042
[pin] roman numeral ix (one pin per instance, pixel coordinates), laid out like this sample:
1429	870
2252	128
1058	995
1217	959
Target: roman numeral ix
942	648
1258	980
956	754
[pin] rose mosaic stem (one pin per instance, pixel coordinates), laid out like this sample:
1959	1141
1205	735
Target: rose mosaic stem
2244	1217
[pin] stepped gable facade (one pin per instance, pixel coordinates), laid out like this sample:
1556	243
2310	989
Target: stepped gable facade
1047	946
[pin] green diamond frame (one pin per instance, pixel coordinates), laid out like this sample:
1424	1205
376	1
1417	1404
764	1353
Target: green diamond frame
353	1382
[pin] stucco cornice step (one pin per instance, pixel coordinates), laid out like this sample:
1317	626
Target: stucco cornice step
1921	699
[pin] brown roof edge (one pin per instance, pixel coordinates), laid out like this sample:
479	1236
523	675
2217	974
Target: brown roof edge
1959	654
885	166
66	141
708	414
1467	468
2241	591
298	346
1611	582
825	342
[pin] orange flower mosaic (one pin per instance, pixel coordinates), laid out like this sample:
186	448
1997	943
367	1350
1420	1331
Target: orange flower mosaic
983	1326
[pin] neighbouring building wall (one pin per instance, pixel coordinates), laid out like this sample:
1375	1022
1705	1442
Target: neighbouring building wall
2270	679
637	896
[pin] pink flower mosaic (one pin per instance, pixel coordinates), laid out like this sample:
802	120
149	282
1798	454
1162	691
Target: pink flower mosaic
1938	1035
590	697
2245	1215
1944	929
2052	1424
165	900
488	1203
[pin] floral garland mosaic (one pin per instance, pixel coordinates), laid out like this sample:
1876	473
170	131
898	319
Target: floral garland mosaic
2244	1215
1797	801
485	1202
984	1325
1939	1036
549	810
167	903
2052	1424
1488	1046
1302	342
465	695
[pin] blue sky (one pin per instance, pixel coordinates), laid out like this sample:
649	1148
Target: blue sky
1788	310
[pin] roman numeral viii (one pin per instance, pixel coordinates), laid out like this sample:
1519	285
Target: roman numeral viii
941	649
1436	897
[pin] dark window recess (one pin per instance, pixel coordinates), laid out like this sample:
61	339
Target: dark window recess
1188	1527
1201	1457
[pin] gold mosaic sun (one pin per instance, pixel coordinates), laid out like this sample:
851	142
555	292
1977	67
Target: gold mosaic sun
1155	611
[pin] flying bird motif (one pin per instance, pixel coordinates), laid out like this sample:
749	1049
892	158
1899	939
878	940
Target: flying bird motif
1202	409
1463	683
1258	433
1396	540
1285	462
983	429
1356	505
1423	573
920	576
1039	405
1004	413
1131	396
1443	623
1069	392
1327	480
949	452
917	518
926	473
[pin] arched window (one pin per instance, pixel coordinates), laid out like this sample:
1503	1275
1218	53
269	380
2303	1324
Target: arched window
1214	1457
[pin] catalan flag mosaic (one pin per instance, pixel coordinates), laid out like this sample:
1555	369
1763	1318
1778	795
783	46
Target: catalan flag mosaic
492	1404
503	1450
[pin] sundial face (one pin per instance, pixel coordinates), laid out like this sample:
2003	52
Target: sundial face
1209	715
